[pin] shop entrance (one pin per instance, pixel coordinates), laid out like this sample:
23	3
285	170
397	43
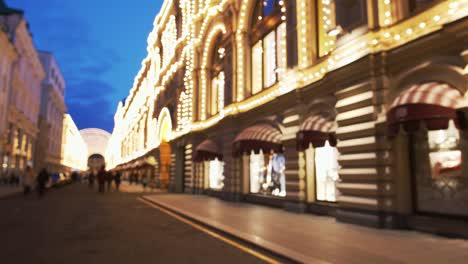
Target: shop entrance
164	131
165	163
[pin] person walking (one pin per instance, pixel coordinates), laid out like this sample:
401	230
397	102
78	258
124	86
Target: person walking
91	177
42	180
109	179
144	180
28	180
101	178
117	180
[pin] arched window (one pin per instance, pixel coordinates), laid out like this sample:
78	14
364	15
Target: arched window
337	18
268	60
217	78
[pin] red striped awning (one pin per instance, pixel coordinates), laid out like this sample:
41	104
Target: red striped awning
258	137
433	103
207	150
315	130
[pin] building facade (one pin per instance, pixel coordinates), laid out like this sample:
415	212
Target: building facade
25	92
52	109
8	56
353	109
74	151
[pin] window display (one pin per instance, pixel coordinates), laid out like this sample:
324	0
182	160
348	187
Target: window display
267	174
216	174
444	156
440	184
326	172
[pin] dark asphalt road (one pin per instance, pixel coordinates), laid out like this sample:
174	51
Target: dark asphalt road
76	225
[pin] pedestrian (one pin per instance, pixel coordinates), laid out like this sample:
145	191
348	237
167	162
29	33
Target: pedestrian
144	180
137	178
28	180
117	179
12	179
4	177
42	180
91	178
101	176
109	179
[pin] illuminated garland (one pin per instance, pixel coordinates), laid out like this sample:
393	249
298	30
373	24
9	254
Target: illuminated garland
206	51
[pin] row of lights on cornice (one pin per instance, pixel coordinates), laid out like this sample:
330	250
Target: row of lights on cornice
398	37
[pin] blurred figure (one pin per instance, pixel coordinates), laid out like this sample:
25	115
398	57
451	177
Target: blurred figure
13	178
117	179
42	180
74	176
101	178
144	180
109	179
28	180
91	179
131	178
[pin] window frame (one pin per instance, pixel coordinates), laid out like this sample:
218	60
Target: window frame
259	31
217	67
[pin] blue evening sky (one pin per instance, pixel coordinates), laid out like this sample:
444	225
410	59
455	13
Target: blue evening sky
99	45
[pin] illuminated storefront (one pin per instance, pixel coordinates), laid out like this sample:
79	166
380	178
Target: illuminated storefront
426	112
298	104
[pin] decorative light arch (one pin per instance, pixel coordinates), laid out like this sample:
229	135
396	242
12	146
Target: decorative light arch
164	125
217	28
241	40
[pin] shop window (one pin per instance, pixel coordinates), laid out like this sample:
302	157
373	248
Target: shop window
440	185
267	174
216	174
269	57
444	155
337	19
322	163
326	174
218	79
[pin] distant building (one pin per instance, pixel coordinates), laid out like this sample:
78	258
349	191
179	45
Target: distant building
8	56
74	149
48	149
25	92
96	140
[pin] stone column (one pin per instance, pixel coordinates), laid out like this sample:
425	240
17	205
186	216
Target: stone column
232	171
295	183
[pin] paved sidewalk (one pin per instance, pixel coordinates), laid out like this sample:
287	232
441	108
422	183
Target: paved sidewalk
6	191
137	188
314	239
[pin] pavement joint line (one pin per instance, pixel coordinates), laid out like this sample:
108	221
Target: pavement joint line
211	233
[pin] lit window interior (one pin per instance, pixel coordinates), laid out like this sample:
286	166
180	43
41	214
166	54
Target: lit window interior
267	174
444	155
216	174
326	173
